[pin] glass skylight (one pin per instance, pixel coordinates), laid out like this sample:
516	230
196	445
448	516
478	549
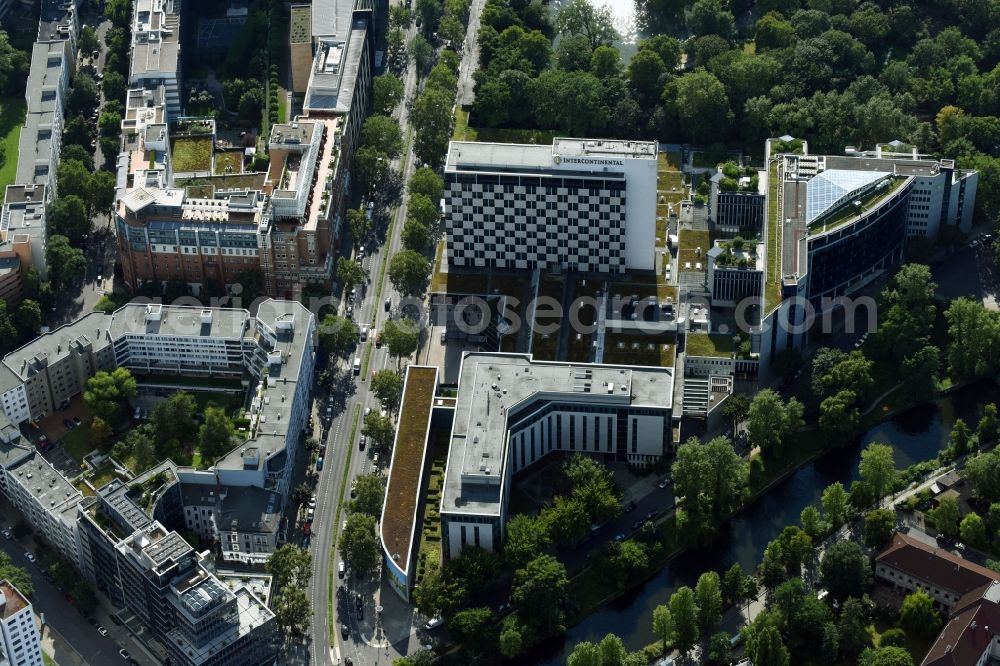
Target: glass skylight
833	186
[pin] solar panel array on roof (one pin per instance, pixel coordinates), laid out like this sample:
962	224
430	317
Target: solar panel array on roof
829	188
170	547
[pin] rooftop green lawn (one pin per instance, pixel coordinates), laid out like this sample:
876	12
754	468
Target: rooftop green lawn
228	181
229	159
688	243
668	161
707	344
11	120
465	132
407	461
772	273
656	350
191	153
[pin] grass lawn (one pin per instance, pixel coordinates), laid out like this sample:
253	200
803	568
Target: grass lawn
102	476
77	442
282	105
231	159
455	280
688	243
251	180
192	154
11	121
49	661
668	161
703	344
653	350
772	274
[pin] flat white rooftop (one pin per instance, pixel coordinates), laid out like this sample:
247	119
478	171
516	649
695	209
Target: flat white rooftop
494	386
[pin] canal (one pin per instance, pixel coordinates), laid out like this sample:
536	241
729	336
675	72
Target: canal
915	435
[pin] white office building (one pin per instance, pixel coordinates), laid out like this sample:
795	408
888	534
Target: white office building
512	411
20	641
579	204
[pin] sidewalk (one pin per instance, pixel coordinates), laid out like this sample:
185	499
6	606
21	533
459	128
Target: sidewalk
58	648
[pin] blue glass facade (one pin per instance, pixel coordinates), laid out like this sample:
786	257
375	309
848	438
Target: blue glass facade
841	257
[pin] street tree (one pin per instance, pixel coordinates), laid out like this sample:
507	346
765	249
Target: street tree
845	570
387	90
663	625
767	648
289	566
338	335
400	337
708	594
567	520
684	611
946	516
424	210
415	235
408	272
359	544
877	468
360	225
293	612
527	538
771	422
469	626
989	426
369	493
67	264
18	577
917	614
431	118
302	494
68	217
427	182
383	134
387	385
350	272
839	416
380	431
538	590
712	480
879	526
960	437
736	408
812	522
834	502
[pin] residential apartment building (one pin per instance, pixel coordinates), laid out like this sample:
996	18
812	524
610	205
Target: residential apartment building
198	618
971	636
47	501
52	65
908	564
156	50
180	340
20	640
512	411
44	374
579	204
22	236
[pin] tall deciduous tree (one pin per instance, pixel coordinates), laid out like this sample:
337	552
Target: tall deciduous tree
684	611
708	594
400	337
408	272
359	544
878	468
917	614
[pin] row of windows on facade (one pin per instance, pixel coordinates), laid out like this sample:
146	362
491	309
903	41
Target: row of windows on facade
594	200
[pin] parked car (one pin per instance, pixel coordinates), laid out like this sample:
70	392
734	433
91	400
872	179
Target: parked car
102	631
341	569
123	654
30	557
343	631
664	483
378	340
7	535
434	623
68	424
619	537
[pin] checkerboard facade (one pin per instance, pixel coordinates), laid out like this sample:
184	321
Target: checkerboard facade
510	221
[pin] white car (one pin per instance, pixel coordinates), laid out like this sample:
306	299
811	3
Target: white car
29	556
434	623
7	535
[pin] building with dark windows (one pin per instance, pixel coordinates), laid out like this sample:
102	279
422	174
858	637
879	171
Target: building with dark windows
579	204
737	212
512	411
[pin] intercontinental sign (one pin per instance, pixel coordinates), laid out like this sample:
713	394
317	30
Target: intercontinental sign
587	160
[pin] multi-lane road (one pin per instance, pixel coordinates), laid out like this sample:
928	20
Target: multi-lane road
342	450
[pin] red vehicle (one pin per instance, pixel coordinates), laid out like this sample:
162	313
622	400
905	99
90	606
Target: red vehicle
307	529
